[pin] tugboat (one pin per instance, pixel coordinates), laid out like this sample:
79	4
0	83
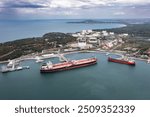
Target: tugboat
122	60
49	67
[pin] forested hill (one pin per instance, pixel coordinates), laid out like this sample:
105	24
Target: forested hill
17	48
142	30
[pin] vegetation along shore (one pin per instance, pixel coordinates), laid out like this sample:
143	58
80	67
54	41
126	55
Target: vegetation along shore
133	40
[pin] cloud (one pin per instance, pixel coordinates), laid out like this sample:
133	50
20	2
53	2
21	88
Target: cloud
119	13
131	1
10	9
92	3
20	4
80	8
68	3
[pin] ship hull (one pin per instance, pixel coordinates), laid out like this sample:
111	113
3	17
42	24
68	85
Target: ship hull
121	61
68	68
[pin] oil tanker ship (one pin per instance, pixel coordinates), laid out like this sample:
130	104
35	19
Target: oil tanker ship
122	61
49	67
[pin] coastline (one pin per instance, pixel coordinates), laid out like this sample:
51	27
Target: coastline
33	57
49	26
120	53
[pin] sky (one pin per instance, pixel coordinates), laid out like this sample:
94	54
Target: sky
74	9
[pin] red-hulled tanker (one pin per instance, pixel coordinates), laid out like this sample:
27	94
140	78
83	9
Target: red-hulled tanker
122	61
49	67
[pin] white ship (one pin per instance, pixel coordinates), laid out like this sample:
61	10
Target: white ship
12	66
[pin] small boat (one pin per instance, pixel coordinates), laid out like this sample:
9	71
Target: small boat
26	67
49	67
19	68
122	61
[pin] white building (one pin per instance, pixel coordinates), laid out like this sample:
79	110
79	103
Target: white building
83	32
93	40
105	33
96	34
82	39
125	34
81	45
75	35
111	33
89	31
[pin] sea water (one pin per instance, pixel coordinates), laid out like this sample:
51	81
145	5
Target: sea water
105	80
18	29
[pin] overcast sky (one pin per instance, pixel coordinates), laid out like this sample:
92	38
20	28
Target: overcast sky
53	9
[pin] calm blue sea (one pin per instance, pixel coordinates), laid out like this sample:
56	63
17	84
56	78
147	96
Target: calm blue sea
105	80
19	29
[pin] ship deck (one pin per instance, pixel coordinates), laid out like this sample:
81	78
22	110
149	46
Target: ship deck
71	63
